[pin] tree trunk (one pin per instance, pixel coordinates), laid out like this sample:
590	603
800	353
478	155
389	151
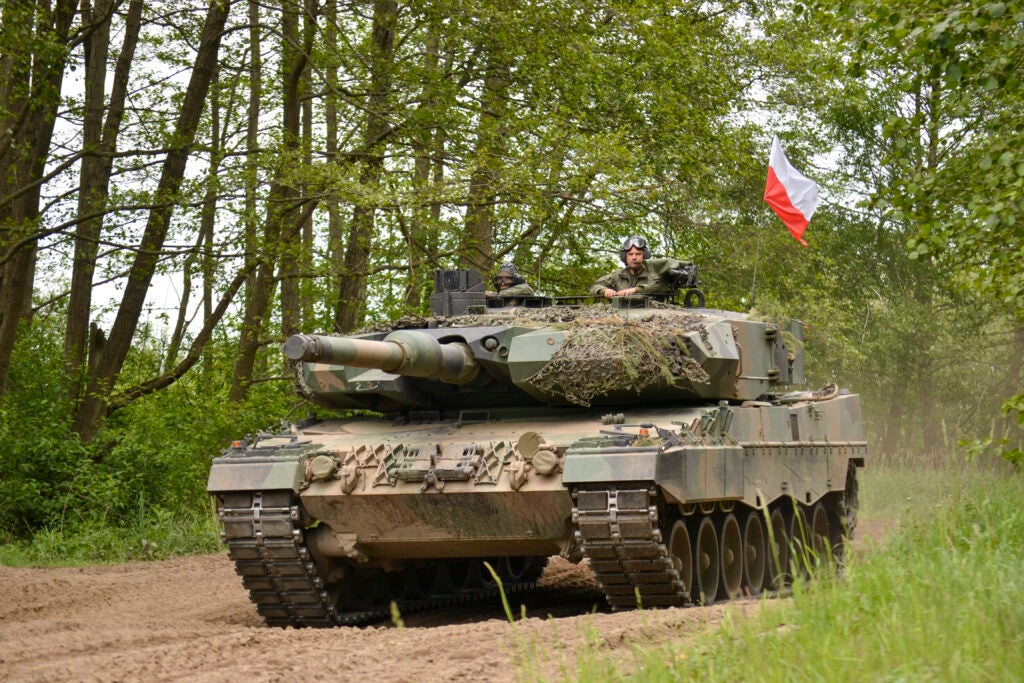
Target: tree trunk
477	249
427	167
30	84
98	145
293	67
355	269
1008	428
101	382
305	257
252	210
279	228
892	432
207	223
335	238
91	194
257	303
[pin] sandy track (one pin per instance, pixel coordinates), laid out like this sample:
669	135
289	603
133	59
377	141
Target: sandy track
190	619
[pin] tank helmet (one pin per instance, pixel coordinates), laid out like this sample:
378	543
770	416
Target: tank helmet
507	270
630	243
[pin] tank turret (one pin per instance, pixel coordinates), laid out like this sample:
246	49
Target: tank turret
551	356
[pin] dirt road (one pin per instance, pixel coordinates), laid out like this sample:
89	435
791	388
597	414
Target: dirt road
190	619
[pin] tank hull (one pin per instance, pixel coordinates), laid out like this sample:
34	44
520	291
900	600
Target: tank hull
646	496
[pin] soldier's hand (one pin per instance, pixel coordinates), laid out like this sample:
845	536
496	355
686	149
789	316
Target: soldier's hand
626	292
609	293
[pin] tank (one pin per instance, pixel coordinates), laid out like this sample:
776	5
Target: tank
667	445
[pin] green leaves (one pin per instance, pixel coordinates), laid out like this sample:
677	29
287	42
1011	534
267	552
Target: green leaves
996	9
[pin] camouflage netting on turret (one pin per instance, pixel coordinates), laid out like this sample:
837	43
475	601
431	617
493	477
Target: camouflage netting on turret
554	316
612	354
526	317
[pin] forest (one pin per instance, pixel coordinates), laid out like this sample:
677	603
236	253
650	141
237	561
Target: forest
184	184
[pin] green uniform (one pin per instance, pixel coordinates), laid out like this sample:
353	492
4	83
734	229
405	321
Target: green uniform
650	280
522	289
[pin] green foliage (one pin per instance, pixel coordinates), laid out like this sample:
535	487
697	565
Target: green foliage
607	127
40	463
961	183
151	535
1001	447
932	354
934	98
142	480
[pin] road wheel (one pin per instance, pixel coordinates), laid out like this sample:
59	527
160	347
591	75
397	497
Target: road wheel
755	552
705	562
681	551
778	560
730	557
820	536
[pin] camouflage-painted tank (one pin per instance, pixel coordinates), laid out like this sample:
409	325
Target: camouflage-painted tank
656	442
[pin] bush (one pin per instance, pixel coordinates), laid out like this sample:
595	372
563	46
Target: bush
148	465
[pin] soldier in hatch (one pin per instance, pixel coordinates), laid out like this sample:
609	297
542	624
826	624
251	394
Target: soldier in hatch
644	275
510	283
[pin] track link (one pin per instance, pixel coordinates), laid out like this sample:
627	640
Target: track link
265	541
617	529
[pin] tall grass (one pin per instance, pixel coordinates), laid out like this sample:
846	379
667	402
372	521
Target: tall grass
154	535
892	496
939	597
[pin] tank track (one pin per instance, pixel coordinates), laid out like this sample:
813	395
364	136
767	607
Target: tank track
622	531
618	531
265	541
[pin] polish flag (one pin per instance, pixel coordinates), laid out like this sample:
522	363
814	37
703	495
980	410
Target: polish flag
792	195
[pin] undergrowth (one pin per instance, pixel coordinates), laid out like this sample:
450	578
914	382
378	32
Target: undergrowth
137	490
157	535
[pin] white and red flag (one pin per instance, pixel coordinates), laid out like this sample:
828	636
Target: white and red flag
792	195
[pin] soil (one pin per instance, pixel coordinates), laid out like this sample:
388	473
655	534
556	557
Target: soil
189	619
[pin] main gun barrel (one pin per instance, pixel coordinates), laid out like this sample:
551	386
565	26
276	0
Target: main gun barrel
403	352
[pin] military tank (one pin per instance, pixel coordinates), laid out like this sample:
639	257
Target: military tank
660	443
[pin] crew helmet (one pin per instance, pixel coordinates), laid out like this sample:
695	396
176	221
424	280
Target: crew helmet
634	241
507	270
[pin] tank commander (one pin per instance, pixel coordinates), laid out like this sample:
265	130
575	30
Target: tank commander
643	274
510	283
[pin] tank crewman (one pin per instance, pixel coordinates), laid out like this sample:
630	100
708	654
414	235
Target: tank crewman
642	274
510	283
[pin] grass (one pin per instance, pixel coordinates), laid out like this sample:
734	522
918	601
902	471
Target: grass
941	599
899	495
157	536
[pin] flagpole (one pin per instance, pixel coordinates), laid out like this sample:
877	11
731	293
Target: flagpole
757	259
